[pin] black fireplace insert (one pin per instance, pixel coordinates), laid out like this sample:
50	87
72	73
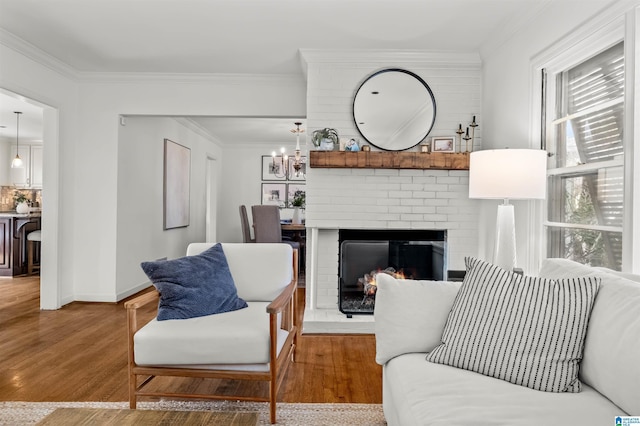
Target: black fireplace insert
410	254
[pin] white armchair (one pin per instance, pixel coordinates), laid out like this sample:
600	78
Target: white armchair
254	343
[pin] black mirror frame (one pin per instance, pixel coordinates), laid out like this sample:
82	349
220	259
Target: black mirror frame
417	77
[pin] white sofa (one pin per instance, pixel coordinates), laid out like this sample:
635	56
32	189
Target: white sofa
409	320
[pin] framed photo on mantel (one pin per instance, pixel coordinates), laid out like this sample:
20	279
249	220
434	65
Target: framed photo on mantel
443	144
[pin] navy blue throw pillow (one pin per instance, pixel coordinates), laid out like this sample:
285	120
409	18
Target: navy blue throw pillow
194	286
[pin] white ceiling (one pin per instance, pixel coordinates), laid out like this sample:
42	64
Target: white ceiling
246	36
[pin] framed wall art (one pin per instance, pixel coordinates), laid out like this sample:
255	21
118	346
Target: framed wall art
272	168
291	191
177	171
443	144
274	194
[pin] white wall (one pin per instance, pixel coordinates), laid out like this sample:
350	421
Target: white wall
387	198
242	180
81	221
49	83
140	196
510	111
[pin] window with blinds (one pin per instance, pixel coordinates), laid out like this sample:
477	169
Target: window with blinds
585	202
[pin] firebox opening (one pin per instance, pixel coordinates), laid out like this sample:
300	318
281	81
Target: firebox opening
410	254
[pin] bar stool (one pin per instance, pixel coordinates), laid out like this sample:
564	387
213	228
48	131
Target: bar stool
33	244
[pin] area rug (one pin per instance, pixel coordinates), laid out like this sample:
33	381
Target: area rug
289	414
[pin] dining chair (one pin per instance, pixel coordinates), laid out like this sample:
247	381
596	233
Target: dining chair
246	229
266	225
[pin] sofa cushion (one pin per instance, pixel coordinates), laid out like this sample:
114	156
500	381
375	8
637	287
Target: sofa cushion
525	330
237	337
421	393
612	347
410	315
194	286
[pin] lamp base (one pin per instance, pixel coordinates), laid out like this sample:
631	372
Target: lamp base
505	249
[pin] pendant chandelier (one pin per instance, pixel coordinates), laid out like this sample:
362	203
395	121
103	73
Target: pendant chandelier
285	160
17	162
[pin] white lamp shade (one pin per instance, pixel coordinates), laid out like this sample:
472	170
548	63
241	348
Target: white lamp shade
517	174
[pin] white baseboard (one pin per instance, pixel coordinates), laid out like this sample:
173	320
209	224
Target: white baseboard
133	290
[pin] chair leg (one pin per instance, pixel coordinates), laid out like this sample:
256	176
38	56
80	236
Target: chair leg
272	411
273	392
132	391
29	257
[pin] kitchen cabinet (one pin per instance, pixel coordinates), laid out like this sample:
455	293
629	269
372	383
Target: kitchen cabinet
30	175
5	244
36	166
13	241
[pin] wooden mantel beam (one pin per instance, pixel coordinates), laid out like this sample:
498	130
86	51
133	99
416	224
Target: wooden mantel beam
390	160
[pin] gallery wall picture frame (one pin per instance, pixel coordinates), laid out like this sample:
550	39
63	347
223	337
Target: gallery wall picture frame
177	172
443	144
274	194
303	169
291	190
272	168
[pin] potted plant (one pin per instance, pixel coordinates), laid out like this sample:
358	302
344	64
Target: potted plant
325	139
298	202
22	202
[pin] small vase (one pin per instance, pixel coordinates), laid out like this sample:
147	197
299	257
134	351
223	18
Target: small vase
326	145
297	219
22	208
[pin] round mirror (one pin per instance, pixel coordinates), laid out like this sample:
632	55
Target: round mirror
394	109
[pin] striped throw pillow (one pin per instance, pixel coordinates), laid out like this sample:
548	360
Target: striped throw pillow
526	330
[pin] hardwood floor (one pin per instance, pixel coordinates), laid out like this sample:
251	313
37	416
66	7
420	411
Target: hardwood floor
79	353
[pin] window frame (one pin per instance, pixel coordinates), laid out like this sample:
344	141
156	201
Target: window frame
579	46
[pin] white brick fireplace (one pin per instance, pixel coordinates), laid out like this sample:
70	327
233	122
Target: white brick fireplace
383	198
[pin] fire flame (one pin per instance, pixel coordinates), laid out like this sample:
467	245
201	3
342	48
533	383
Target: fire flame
371	284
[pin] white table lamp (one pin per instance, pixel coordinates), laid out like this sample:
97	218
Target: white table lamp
516	174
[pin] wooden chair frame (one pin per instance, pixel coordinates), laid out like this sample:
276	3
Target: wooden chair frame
283	304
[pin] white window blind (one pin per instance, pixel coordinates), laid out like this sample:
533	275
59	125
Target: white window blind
586	185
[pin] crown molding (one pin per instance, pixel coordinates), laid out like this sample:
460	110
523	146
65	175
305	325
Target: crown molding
43	58
505	32
609	23
418	57
198	129
193	78
36	54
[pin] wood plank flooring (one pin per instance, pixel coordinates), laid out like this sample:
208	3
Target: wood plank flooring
79	353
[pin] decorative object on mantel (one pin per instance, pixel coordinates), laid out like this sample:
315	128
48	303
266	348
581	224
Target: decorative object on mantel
443	144
467	138
22	202
17	162
473	126
505	174
325	139
352	145
394	109
460	132
425	147
366	148
390	160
